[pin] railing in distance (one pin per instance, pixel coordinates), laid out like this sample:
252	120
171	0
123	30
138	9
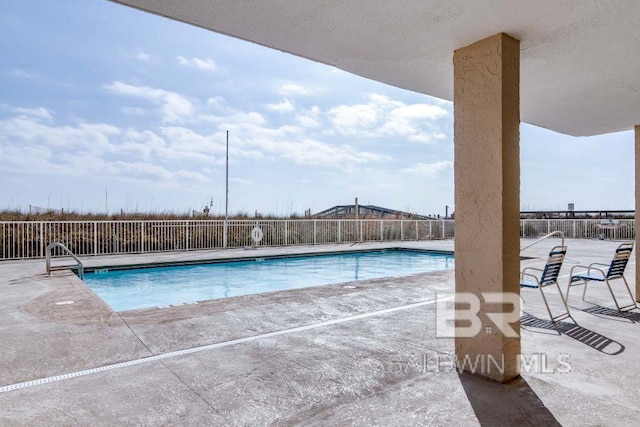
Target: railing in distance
28	239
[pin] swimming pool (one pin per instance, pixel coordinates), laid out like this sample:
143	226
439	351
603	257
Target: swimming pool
163	286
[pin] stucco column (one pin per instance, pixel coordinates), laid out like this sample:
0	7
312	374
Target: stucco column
487	196
637	129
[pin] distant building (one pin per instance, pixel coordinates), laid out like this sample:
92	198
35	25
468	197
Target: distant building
366	212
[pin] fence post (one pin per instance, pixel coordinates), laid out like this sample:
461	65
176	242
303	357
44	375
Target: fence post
360	224
402	230
381	231
187	234
443	235
548	226
41	239
339	230
95	238
574	228
314	231
142	236
417	235
286	232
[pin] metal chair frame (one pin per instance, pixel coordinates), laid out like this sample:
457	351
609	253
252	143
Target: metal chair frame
615	271
549	277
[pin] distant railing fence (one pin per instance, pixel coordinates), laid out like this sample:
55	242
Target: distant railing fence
29	239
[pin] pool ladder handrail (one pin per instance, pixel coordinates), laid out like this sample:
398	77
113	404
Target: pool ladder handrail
546	236
79	266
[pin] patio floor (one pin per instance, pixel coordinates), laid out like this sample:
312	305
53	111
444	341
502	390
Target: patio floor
328	355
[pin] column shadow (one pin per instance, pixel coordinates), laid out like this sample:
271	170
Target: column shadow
510	404
586	336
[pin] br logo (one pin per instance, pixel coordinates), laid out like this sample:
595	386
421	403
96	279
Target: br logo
458	317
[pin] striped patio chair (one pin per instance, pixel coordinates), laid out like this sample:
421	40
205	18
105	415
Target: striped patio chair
591	273
548	277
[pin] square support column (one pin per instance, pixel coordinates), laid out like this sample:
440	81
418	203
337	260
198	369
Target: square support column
487	196
637	216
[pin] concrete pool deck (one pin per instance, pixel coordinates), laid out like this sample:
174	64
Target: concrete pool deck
328	355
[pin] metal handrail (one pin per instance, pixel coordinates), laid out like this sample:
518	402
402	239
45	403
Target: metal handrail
68	251
546	236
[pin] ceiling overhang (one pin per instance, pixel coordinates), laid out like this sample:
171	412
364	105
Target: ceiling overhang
580	61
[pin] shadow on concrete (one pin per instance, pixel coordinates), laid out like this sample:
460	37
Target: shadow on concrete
511	404
598	310
586	336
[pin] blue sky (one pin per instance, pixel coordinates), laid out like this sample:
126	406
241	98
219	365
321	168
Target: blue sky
106	107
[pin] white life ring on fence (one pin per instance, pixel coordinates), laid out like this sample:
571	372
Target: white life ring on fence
256	234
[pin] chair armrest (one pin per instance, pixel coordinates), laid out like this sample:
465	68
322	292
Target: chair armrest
588	268
584	267
598	263
530	275
531	268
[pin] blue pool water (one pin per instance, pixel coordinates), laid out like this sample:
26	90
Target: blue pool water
162	286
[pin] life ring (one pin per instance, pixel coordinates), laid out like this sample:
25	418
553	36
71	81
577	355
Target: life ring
256	234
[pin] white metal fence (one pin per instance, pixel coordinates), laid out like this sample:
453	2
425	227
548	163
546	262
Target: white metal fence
623	229
28	239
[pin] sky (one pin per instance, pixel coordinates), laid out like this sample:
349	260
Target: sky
106	108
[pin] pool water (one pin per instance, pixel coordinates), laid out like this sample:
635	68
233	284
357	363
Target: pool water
162	286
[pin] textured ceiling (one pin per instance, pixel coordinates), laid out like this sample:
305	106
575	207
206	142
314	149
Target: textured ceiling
580	60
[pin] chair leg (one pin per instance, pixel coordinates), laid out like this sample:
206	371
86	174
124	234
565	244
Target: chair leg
633	300
564	302
544	298
584	292
571	284
546	303
612	294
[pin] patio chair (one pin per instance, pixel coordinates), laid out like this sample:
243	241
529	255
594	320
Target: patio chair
616	269
548	277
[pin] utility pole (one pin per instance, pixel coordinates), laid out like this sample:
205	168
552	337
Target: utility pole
357	208
226	202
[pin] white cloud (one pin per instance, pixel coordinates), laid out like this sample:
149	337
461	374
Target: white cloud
236	116
410	120
383	103
175	108
24	130
429	169
251	135
350	119
95	149
186	144
285	106
142	56
135	111
202	64
140	145
19	72
39	112
310	118
307	121
128	170
382	116
288	89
